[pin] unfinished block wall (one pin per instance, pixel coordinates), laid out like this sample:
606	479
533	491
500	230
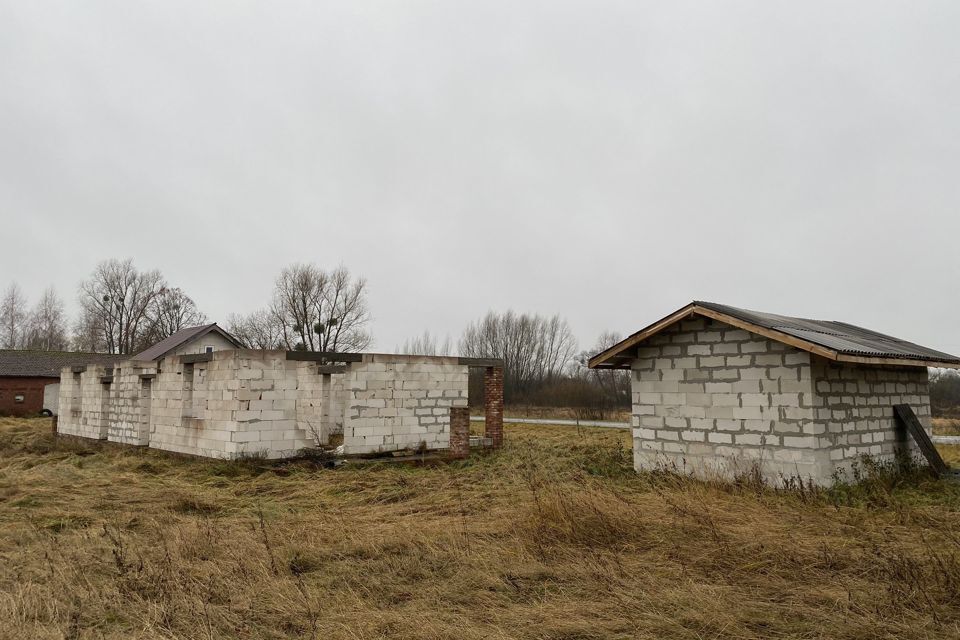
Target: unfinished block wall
712	399
84	402
232	403
128	414
855	409
239	402
395	402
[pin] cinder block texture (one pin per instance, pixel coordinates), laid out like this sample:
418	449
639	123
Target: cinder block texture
84	403
395	402
250	402
241	402
715	400
128	413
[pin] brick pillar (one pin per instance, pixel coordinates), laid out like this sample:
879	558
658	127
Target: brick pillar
459	432
493	405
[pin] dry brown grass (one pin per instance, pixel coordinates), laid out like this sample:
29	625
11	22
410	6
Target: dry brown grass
946	426
558	413
553	537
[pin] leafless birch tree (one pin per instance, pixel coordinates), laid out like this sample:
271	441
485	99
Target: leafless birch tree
13	317
47	324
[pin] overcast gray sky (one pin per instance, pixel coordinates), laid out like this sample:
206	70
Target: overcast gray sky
608	161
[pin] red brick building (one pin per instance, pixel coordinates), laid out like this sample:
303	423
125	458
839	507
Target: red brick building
24	374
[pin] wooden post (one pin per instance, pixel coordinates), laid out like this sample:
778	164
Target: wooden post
908	419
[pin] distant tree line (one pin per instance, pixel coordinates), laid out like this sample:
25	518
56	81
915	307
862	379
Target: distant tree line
121	310
42	326
542	363
945	392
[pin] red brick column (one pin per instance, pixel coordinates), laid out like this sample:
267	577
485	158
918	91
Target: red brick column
459	432
493	404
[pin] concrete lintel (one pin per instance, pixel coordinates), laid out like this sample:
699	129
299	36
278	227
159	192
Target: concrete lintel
331	368
481	362
323	356
196	357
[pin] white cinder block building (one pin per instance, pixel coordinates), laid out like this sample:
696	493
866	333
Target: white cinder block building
226	403
724	391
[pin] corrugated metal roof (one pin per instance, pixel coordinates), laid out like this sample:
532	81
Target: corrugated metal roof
841	337
179	338
29	363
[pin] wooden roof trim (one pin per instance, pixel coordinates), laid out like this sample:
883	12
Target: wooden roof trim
603	360
899	362
599	360
640	336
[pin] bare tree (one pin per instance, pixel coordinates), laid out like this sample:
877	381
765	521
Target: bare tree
427	345
89	333
170	312
613	383
321	311
47	324
118	299
534	349
13	317
556	347
258	330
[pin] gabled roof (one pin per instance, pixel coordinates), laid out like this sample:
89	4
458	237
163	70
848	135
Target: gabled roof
833	340
178	339
30	363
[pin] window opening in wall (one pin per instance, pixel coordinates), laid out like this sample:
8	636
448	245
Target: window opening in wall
18	397
75	397
187	395
208	349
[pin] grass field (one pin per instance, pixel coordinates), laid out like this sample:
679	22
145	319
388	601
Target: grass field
552	537
946	427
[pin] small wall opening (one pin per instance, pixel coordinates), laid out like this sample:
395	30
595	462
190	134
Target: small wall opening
75	394
186	402
146	393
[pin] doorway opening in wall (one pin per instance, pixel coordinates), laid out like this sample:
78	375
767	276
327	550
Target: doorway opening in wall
489	396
